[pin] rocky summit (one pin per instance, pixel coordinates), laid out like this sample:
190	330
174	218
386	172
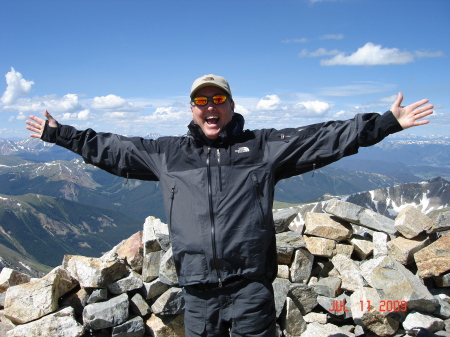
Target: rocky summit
346	271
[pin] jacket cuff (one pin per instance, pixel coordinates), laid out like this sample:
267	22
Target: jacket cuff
390	123
50	134
58	135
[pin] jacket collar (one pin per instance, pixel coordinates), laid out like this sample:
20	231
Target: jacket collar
231	130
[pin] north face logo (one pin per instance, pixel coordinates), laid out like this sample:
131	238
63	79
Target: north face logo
242	149
208	79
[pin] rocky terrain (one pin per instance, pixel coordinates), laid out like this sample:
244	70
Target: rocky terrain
347	271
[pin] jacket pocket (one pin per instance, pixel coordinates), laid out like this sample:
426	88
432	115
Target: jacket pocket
258	198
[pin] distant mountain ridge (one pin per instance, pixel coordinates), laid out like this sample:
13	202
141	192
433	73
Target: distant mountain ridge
392	149
76	181
409	152
430	197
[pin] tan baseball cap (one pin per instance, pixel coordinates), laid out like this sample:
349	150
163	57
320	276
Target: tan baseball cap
210	80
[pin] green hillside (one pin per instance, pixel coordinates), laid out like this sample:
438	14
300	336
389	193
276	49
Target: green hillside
47	228
23	263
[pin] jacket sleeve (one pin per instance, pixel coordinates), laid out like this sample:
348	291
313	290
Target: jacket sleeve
298	150
130	157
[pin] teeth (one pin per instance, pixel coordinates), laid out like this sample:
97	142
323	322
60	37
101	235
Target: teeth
211	117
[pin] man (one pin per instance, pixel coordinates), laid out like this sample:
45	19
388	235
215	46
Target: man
218	185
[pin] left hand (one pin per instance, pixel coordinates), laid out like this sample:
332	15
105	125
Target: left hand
412	114
37	125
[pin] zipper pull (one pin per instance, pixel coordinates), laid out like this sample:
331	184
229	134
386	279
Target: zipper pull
220	283
172	193
208	153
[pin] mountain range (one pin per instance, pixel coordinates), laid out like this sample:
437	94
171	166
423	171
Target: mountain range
52	203
431	197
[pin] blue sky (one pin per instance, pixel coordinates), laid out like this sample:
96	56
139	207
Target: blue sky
127	66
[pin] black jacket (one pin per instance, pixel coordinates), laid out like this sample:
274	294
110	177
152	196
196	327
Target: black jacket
218	194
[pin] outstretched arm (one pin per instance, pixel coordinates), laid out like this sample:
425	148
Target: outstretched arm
130	157
412	114
37	125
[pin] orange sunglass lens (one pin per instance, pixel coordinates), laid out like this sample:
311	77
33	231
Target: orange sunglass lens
219	99
200	100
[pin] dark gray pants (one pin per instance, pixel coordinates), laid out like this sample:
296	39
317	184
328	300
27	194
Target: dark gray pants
244	309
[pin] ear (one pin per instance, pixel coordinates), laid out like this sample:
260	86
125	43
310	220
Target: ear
232	106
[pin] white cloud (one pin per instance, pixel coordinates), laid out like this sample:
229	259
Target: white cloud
368	55
16	86
314	107
117	114
286	111
338	114
318	52
67	103
380	105
68	116
390	99
82	115
21	116
371	55
426	53
241	110
168	113
269	102
113	102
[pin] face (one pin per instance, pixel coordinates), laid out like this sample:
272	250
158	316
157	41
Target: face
212	118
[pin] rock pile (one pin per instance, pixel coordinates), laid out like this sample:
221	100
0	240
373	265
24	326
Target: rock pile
346	272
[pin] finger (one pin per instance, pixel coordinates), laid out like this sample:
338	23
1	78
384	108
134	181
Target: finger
398	101
51	120
423	114
424	108
422	122
34	129
48	116
37	119
417	104
33	124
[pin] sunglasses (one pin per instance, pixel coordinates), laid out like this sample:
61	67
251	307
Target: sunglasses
203	100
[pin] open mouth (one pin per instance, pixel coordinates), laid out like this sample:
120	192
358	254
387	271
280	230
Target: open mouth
212	120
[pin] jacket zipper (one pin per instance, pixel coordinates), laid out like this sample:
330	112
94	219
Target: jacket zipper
211	215
172	195
220	170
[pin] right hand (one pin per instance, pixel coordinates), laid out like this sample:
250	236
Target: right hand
413	114
37	124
